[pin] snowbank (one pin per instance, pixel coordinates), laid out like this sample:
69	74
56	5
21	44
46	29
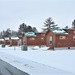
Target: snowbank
62	59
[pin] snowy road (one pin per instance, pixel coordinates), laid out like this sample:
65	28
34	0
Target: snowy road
6	69
31	67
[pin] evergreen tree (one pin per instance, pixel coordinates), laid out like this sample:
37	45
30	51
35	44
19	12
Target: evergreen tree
48	24
73	24
24	28
34	30
66	27
29	29
7	33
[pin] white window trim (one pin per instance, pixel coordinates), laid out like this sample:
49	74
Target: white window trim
42	38
62	37
32	38
74	32
50	40
42	34
73	38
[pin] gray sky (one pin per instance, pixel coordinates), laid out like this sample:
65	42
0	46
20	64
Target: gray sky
34	13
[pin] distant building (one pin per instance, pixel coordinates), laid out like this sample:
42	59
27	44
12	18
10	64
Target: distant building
6	40
1	41
35	39
14	41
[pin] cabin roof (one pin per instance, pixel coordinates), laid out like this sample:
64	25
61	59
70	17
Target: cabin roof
6	38
1	39
58	31
29	34
15	37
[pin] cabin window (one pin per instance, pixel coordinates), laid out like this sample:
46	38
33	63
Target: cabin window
42	34
50	40
32	38
74	38
74	32
62	37
42	38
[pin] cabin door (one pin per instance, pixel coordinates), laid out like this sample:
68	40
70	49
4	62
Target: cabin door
50	40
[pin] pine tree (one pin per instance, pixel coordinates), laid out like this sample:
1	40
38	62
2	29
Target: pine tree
73	24
49	23
24	28
34	30
29	29
66	27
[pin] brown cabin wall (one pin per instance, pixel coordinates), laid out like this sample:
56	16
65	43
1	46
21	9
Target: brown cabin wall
70	40
7	42
49	33
14	42
62	42
1	42
37	40
57	42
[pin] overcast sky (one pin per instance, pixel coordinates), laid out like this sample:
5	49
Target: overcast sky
34	13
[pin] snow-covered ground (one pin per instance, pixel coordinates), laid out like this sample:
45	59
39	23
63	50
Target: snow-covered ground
40	60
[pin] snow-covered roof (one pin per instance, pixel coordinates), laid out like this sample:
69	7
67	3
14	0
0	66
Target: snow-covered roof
6	38
1	39
30	34
15	38
58	31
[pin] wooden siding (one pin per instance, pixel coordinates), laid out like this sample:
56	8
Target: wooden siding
57	42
